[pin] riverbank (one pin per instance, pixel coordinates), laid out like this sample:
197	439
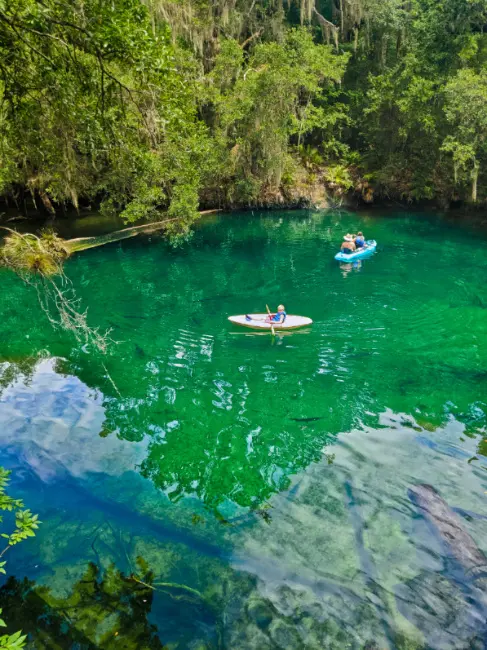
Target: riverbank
86	229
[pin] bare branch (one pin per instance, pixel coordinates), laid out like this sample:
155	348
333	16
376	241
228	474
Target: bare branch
251	38
328	27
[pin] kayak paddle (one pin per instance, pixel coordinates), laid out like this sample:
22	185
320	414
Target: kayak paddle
272	326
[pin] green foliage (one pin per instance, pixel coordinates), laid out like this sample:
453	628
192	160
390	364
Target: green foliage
11	641
25	525
261	105
310	156
339	176
164	105
93	105
466	112
411	100
25	522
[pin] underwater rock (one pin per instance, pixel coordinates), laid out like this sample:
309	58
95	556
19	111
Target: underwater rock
260	612
439	608
285	636
250	638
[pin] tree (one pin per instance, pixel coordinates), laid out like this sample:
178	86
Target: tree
160	105
94	104
280	95
466	112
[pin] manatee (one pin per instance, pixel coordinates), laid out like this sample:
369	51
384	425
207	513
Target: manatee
449	607
448	525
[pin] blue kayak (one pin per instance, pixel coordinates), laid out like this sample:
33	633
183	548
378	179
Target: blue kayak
359	254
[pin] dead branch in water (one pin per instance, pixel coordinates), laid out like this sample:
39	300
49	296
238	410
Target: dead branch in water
38	261
63	309
84	243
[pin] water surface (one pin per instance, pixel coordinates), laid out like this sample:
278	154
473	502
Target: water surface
257	487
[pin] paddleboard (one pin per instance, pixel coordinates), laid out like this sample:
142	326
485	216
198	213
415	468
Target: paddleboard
257	322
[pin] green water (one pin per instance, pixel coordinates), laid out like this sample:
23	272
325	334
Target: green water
259	485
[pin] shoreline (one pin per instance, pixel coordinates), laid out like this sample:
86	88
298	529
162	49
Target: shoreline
473	218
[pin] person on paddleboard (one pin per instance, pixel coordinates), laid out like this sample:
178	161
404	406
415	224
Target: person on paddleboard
279	317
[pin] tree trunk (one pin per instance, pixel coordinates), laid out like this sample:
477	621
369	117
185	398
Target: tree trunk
47	202
384	44
475	178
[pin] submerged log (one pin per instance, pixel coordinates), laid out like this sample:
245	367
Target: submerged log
84	243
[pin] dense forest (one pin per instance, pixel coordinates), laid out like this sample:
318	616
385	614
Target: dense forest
177	105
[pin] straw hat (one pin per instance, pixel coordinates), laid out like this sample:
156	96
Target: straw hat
348	237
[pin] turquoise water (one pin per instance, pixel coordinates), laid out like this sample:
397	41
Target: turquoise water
258	487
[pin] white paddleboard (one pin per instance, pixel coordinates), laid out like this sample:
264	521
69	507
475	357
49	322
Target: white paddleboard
258	322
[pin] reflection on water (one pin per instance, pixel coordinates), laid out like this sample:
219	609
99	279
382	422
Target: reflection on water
100	610
51	419
341	560
262	485
348	267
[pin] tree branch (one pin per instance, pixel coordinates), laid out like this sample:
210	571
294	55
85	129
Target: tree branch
251	38
31	47
327	26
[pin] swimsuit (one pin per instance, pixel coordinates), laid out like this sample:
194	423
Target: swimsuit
277	317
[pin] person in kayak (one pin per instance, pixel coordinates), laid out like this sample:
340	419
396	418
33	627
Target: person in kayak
348	245
279	317
359	240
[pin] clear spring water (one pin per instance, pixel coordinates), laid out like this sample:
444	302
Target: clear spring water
257	487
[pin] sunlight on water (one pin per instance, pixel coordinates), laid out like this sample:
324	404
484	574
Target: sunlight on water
237	491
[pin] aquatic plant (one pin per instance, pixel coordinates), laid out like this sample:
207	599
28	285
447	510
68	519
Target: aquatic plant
38	261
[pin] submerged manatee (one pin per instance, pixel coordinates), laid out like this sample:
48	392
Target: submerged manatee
448	525
449	607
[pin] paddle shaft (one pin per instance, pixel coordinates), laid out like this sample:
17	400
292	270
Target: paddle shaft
273	332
